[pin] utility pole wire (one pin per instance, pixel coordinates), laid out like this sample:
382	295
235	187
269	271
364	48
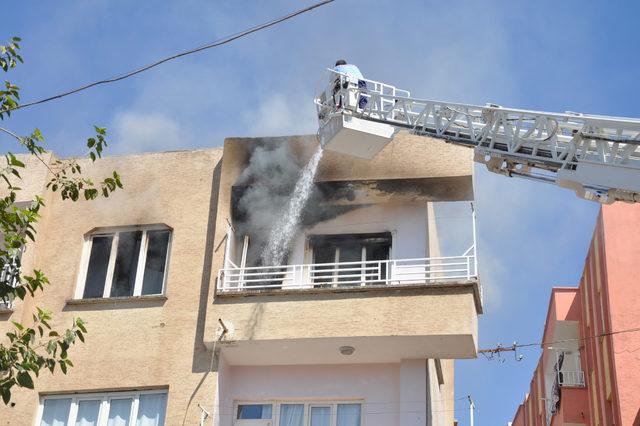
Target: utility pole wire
515	346
213	44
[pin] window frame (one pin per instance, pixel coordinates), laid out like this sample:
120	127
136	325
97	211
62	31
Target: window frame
308	403
142	259
105	401
334	279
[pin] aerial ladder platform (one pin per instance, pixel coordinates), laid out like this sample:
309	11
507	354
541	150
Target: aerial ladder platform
596	156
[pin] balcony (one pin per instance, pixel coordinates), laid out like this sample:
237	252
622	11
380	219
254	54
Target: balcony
571	378
344	275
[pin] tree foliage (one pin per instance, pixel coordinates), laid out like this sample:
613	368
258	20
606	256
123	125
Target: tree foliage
31	348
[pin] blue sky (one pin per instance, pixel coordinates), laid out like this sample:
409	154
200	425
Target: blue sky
548	55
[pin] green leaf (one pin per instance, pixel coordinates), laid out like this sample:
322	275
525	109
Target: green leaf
25	380
6	394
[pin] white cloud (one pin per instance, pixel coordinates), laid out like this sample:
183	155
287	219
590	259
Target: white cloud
279	115
137	131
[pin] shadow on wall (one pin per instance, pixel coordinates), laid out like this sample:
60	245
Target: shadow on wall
254	319
201	356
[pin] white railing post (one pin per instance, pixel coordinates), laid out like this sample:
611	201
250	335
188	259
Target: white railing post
475	247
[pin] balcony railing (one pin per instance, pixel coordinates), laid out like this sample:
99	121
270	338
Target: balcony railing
571	378
350	274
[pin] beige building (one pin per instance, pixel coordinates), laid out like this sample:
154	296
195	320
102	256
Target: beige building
359	325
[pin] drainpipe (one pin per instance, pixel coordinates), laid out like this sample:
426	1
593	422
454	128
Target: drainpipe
205	413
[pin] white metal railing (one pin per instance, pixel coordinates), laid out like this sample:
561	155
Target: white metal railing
350	274
571	378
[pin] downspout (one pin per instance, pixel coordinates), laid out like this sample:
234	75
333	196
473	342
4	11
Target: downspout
205	413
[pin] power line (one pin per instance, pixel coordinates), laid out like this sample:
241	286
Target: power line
213	44
499	349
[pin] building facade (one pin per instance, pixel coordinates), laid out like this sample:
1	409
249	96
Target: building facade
589	368
188	324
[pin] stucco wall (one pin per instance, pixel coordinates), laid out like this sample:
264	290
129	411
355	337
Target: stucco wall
430	311
134	343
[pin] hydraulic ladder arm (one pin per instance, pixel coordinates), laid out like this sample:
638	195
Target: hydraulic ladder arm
596	156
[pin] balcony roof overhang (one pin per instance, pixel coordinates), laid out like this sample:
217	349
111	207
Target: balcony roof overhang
368	349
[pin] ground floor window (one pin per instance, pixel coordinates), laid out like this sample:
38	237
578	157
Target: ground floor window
299	413
104	409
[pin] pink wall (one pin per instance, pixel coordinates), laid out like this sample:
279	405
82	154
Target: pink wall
519	420
621	229
574	407
378	384
613	260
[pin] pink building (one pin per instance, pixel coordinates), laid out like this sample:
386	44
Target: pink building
589	371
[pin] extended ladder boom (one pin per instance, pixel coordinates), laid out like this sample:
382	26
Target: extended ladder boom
596	156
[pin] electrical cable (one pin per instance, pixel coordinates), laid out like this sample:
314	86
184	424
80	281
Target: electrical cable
577	339
139	70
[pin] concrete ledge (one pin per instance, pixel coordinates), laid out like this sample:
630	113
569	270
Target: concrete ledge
107	300
6	311
359	289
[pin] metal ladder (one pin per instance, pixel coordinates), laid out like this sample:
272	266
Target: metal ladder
596	156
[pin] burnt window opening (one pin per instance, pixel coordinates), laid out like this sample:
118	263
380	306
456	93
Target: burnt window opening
126	262
353	259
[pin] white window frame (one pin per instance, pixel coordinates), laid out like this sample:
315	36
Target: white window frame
8	304
105	398
308	403
142	258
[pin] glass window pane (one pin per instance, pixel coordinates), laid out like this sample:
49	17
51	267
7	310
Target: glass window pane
158	244
320	416
323	254
56	412
348	415
119	412
88	412
350	253
151	409
124	274
377	252
97	269
254	411
292	415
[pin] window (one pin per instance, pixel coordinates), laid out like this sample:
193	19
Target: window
9	275
110	409
299	413
126	262
362	257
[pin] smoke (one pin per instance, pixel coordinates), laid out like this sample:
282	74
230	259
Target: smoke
268	180
265	191
285	228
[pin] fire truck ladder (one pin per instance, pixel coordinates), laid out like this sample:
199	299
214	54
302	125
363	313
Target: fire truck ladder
596	156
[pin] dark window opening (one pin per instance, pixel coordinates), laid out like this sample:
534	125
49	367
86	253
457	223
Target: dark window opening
352	259
113	271
98	265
